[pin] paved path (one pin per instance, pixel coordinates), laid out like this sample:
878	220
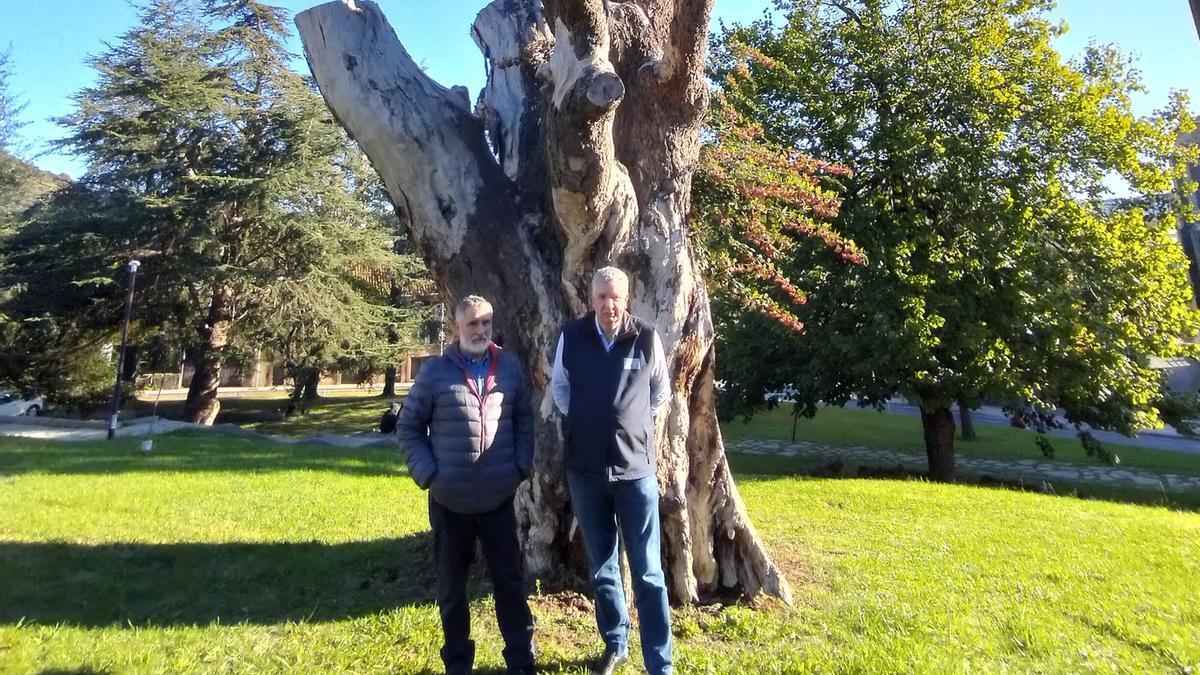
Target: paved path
146	428
1029	471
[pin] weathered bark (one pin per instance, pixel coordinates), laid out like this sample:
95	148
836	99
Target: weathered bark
593	109
389	382
938	425
202	404
965	423
1195	5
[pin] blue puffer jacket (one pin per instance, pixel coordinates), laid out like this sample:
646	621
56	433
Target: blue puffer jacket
471	450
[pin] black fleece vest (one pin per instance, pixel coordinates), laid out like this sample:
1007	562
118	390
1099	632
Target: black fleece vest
609	426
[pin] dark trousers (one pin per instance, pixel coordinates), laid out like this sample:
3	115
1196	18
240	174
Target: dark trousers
454	536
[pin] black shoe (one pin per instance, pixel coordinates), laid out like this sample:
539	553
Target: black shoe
520	671
459	659
609	662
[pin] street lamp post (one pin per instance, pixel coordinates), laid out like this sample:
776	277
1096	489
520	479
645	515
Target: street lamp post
116	398
1195	5
441	327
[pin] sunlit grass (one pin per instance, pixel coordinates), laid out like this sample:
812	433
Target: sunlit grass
223	555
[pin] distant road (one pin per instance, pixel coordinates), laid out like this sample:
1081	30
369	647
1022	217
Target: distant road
1164	439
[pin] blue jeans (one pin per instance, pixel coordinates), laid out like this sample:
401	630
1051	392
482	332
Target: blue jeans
601	506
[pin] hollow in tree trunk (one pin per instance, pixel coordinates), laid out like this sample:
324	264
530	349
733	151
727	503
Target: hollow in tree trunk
938	425
578	154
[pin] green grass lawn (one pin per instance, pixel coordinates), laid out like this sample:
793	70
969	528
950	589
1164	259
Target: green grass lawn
226	555
339	415
902	433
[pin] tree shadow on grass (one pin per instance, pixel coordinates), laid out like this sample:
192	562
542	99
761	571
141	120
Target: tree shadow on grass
181	452
190	584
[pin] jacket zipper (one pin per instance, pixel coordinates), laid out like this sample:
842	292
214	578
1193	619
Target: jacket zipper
481	392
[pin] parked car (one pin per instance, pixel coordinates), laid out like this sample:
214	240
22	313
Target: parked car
785	394
12	405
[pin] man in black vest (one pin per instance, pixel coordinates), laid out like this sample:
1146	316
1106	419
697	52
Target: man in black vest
609	378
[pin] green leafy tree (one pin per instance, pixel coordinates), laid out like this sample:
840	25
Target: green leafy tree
980	159
762	225
218	167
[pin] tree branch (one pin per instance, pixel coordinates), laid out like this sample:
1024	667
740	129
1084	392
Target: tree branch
676	38
515	40
687	48
590	190
420	136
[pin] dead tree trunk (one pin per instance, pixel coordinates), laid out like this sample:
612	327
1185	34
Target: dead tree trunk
579	153
202	404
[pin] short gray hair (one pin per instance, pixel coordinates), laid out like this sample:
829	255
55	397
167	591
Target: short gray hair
468	302
609	274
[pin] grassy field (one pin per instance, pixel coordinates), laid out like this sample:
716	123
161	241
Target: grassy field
902	433
223	555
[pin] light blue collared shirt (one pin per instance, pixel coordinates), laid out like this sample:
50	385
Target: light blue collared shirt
607	343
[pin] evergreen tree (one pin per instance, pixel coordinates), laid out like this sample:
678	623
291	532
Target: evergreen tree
220	169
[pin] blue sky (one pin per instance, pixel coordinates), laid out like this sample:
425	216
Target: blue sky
51	39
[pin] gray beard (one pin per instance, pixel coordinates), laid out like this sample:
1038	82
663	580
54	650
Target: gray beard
462	347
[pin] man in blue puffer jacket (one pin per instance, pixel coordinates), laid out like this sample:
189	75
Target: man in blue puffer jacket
467	435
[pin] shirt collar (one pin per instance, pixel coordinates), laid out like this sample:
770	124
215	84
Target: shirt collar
600	332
